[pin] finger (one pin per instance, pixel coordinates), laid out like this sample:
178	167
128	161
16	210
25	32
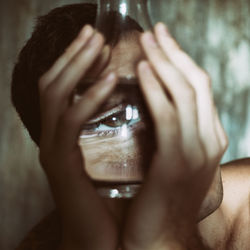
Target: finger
95	71
57	95
201	84
67	80
70	124
100	63
161	109
183	96
48	118
223	139
85	34
183	62
171	78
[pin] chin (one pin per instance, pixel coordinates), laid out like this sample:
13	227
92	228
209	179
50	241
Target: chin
213	199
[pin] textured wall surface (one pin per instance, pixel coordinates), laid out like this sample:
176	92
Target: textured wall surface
215	33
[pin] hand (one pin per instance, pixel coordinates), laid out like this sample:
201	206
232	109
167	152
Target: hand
190	144
83	214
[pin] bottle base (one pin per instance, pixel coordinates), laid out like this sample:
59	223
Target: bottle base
119	191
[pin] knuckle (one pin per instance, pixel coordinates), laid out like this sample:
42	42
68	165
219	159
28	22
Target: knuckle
100	37
178	173
71	49
76	59
68	120
48	95
43	81
65	120
224	143
196	156
189	94
92	94
199	160
205	79
215	154
165	116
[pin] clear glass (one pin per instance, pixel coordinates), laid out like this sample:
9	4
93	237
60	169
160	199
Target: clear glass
117	143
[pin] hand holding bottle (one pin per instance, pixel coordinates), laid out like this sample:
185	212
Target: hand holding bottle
190	144
83	215
179	97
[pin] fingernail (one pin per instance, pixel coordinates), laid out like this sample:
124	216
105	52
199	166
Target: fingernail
86	31
163	29
106	50
94	40
149	38
144	66
109	77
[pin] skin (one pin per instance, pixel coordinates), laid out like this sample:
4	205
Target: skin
105	155
174	194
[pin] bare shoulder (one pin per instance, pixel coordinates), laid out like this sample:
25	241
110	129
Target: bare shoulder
229	226
236	185
238	168
236	203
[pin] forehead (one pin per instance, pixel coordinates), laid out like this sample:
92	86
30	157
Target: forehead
125	56
123	60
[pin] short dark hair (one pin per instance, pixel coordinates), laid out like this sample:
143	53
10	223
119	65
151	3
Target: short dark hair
52	35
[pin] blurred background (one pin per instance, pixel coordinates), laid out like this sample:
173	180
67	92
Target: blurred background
215	33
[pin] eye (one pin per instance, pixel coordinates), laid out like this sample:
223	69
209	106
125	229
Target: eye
128	116
115	120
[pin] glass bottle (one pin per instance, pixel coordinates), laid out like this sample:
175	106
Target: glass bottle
117	143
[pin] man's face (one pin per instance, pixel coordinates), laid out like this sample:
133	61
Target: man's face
118	142
115	141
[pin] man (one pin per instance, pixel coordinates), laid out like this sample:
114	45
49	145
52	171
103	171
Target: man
181	204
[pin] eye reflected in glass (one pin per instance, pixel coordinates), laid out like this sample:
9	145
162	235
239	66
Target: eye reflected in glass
110	145
113	122
117	143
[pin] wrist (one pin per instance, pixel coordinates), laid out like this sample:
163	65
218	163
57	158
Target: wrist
160	244
68	247
169	245
176	240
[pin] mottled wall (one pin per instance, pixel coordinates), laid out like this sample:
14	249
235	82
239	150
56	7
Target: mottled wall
217	35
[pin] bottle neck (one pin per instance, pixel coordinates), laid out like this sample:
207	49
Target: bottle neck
124	7
119	16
